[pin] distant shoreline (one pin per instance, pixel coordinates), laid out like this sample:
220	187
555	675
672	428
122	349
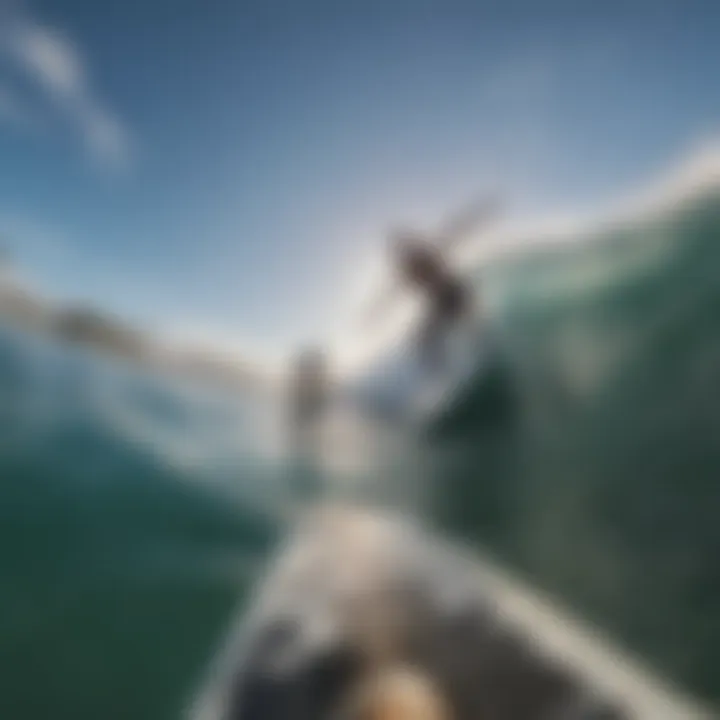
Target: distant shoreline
89	327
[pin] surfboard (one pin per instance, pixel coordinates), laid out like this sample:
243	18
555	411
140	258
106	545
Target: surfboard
357	590
469	355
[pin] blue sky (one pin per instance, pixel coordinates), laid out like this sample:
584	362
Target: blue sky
229	165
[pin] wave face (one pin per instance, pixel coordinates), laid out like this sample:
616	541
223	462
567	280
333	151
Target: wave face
136	510
603	488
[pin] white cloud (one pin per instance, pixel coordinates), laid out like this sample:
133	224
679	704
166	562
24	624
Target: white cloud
51	57
54	63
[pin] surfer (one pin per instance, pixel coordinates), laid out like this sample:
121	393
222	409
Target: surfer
309	391
423	266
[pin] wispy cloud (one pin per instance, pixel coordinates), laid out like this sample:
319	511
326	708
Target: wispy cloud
49	59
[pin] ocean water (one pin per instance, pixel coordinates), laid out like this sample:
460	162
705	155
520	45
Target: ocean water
137	510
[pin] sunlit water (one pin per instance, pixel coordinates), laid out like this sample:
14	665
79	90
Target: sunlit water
135	510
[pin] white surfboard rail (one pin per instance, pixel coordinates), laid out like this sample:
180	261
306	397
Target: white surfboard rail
586	650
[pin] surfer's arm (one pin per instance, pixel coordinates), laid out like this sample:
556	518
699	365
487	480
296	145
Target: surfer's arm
473	218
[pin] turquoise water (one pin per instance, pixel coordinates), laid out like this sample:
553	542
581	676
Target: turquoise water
137	510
